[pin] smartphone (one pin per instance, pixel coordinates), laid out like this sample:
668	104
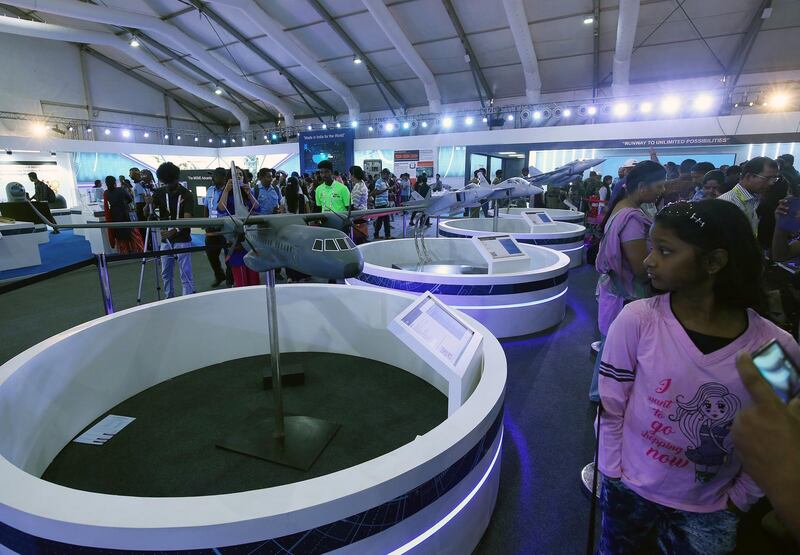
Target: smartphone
778	369
790	222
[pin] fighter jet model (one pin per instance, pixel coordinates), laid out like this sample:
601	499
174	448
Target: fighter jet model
563	175
312	244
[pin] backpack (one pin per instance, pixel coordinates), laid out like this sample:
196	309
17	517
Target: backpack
51	194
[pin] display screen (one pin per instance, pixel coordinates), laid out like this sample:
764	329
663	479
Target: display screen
500	247
778	369
439	330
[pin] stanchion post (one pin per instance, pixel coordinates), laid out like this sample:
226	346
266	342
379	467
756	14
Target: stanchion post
105	284
437	225
496	215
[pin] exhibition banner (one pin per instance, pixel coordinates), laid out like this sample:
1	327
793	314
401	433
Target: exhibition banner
198	182
335	145
414	163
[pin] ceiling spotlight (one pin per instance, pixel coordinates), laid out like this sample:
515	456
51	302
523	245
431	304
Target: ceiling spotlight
134	43
536	115
324	125
588	20
39	129
70	128
211	140
309	128
591	110
233	140
338	125
107	132
146	134
178	138
750	103
485	119
356	60
646	107
126	133
567	112
424	124
620	109
354	124
371	129
274	137
88	129
244	139
196	139
703	103
217	90
510	117
166	136
224	141
447	122
469	120
779	100
406	125
389	127
670	104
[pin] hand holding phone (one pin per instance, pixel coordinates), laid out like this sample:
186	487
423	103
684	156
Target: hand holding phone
780	371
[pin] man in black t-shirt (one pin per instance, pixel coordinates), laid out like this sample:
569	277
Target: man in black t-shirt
173	201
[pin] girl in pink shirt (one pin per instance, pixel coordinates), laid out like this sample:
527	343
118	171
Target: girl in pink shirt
670	390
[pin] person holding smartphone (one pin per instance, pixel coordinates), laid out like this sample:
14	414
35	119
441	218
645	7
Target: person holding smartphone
672	481
242	275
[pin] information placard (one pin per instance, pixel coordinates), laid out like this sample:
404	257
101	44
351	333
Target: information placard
444	340
502	253
538	219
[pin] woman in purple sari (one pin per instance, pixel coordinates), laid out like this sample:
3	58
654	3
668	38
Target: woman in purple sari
620	260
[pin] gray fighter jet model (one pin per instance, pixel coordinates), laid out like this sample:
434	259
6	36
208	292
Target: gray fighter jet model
313	244
563	175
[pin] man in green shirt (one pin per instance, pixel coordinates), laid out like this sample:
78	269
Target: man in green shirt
331	196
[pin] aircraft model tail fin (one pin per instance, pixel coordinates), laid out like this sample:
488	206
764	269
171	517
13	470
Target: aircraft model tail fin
534	171
416	196
238	203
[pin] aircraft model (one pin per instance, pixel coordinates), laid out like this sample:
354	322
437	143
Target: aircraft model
563	175
312	244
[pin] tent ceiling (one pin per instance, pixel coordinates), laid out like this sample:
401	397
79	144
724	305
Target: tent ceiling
667	45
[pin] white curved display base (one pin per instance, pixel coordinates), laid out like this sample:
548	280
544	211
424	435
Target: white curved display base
561	236
19	244
558	214
509	304
433	495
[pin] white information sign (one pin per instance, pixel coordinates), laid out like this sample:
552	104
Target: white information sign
444	340
104	430
502	253
537	219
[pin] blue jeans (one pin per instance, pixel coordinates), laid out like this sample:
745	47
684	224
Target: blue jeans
184	268
632	524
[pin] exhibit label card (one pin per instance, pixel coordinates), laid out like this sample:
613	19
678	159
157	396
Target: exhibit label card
104	430
439	330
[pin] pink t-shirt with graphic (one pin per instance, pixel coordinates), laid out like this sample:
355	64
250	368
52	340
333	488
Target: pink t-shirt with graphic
668	409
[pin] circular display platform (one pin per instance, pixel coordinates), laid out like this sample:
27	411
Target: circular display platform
561	236
558	214
509	304
433	494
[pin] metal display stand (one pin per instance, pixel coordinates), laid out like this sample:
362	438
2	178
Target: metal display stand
295	441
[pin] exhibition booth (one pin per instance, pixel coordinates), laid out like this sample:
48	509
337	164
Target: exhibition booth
434	494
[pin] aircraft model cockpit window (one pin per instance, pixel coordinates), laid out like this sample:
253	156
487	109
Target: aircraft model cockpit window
317	245
330	245
460	197
343	246
350	242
